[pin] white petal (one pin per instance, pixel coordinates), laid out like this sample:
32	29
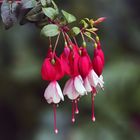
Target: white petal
93	78
101	82
69	90
51	94
78	84
67	87
87	85
80	79
59	91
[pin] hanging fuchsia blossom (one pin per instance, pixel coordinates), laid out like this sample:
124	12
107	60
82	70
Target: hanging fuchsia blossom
52	71
74	87
84	75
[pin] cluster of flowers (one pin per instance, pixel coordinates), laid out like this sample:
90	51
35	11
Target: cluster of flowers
85	75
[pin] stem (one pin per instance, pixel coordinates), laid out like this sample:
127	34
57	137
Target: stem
94	41
92	33
68	38
56	43
50	41
82	37
75	41
64	38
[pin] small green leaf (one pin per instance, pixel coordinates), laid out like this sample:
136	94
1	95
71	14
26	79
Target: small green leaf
43	2
84	23
50	12
69	17
49	1
88	34
50	30
55	6
75	31
28	3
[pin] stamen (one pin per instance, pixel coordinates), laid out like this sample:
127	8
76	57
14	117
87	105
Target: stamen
55	128
76	107
92	115
73	112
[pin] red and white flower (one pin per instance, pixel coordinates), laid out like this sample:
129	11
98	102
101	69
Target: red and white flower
52	70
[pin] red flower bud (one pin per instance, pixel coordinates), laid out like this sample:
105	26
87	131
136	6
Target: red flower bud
84	64
97	62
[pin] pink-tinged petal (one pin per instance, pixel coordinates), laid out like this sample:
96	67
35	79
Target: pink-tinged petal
93	78
80	79
87	85
101	82
78	84
69	90
59	91
51	94
67	87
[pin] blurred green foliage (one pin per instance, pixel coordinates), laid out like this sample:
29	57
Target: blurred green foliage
24	113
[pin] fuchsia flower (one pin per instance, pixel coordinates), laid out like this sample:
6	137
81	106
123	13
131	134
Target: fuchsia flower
90	78
74	87
52	70
85	75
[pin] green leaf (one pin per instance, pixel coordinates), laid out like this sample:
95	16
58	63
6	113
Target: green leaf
50	30
84	23
28	3
43	2
49	1
50	12
35	14
69	17
55	6
75	31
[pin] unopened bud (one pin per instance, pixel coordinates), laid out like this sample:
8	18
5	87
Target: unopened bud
66	51
99	20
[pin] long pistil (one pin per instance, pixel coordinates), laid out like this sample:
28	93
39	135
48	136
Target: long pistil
92	100
55	127
76	107
73	112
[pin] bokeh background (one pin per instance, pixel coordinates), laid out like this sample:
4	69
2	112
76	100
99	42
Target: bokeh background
24	113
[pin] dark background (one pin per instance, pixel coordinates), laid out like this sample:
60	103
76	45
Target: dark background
24	113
